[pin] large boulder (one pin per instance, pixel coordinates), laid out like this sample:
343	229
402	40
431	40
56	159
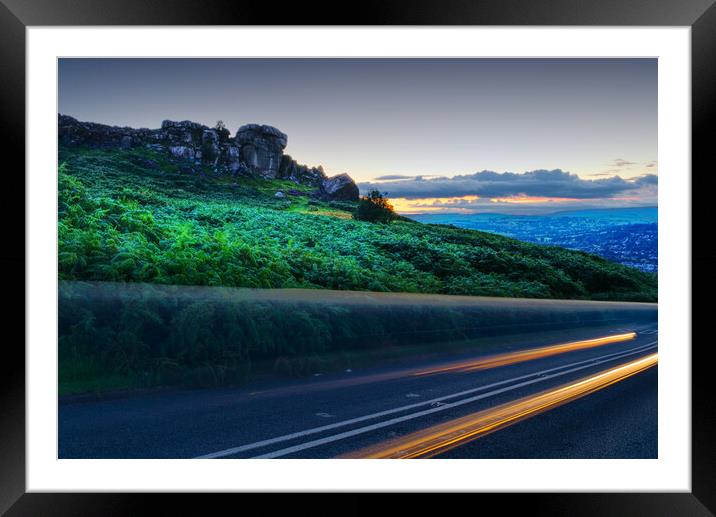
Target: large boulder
261	148
340	188
185	132
70	131
231	158
210	150
182	152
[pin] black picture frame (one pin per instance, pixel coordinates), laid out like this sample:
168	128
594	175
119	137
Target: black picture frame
700	15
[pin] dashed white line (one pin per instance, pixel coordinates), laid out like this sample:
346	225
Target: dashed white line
411	416
541	375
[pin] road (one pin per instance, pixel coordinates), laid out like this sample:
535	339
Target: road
583	393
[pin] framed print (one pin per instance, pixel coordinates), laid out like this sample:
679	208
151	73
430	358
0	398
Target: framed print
263	251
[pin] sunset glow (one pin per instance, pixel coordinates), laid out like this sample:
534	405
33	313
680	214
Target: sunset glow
471	203
431	204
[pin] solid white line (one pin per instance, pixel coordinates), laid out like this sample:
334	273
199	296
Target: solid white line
328	427
397	420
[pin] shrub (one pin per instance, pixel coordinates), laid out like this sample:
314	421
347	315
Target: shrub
374	208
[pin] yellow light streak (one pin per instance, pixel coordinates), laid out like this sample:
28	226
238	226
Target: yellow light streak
520	356
443	437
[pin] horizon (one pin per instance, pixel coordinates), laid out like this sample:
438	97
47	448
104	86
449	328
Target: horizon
461	135
537	214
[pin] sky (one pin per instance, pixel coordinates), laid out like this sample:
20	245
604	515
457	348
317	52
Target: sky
437	135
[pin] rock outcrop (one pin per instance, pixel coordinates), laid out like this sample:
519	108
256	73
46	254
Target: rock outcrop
256	151
340	188
302	174
261	148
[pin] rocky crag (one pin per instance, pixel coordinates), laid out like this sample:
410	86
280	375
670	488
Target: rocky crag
255	151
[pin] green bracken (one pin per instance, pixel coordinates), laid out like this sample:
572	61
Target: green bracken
133	216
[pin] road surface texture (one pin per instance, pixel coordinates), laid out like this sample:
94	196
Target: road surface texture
587	392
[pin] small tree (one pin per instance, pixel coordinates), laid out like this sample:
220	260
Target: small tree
221	131
375	208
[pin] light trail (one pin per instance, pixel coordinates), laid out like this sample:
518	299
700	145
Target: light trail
496	388
443	437
520	356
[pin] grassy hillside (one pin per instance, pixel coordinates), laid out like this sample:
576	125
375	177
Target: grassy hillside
134	216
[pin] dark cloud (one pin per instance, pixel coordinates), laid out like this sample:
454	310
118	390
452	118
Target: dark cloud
542	183
650	164
647	180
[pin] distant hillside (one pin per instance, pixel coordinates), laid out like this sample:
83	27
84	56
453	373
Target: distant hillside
646	214
134	214
637	215
625	235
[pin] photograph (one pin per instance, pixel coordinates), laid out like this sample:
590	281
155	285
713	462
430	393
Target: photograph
261	248
357	257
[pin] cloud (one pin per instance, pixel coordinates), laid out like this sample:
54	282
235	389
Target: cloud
489	184
403	177
620	162
394	177
610	172
647	180
651	164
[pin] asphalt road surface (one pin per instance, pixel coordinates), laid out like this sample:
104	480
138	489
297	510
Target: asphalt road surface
584	393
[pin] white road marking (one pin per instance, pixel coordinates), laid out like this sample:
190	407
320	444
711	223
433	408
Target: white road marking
300	434
412	416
